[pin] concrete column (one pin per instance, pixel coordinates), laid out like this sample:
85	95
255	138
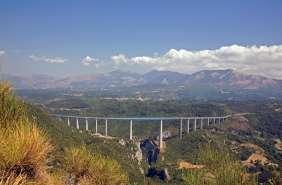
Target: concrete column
69	121
208	121
77	123
96	126
195	124
161	135
106	127
181	128
188	126
202	123
130	130
214	120
86	124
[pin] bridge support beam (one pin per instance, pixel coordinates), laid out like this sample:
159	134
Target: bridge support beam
86	124
195	124
77	124
130	130
69	121
214	121
106	127
208	121
181	128
188	126
161	135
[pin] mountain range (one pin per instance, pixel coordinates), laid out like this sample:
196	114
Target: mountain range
219	81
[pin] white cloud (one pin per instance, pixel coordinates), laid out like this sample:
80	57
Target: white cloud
86	61
261	60
47	59
2	52
120	59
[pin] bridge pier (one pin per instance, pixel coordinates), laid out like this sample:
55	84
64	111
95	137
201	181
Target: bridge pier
106	127
77	124
69	121
195	124
86	124
188	126
181	128
208	121
214	121
202	124
130	130
96	126
161	135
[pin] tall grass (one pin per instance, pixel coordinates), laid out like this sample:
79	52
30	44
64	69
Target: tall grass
88	168
221	168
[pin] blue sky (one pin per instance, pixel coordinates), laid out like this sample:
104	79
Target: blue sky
86	37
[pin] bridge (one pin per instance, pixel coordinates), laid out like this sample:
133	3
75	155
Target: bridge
192	123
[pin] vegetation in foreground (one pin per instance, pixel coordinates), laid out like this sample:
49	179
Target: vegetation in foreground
26	153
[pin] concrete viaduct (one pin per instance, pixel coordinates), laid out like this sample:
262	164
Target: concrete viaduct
191	122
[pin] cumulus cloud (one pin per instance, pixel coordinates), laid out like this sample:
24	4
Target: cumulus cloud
261	60
54	60
86	61
2	52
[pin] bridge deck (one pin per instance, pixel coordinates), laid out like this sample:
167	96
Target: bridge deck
139	118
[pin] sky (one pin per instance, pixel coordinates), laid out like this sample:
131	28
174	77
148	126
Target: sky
70	37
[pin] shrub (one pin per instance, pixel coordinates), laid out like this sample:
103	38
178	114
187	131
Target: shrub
221	168
87	168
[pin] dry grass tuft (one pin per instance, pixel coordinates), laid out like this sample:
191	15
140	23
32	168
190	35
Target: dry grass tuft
24	150
12	179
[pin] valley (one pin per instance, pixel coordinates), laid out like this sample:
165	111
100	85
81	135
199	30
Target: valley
251	136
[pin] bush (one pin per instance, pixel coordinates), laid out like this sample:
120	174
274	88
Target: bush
221	168
87	168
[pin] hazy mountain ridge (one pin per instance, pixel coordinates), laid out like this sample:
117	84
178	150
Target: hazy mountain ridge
218	78
159	85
